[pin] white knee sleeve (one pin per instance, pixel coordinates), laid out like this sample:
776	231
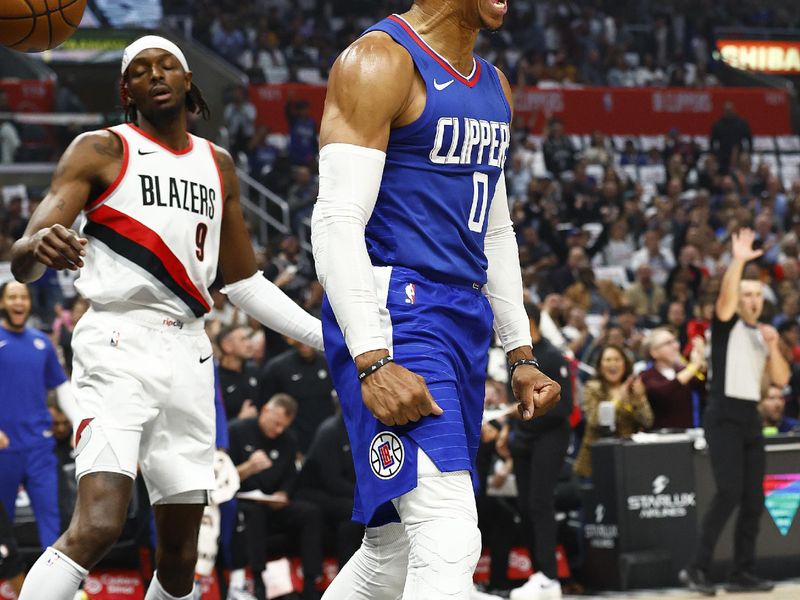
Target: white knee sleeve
377	571
441	522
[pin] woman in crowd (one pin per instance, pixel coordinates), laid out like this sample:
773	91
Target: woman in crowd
614	404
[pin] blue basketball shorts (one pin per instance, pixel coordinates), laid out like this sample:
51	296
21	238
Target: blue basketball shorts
441	332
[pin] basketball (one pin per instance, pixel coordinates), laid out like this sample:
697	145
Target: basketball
38	25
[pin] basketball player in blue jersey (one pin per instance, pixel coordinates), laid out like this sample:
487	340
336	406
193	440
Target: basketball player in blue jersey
161	211
415	249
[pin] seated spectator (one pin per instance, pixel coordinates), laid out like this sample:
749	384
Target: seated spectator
328	480
619	248
559	153
614	405
771	408
267	60
264	454
302	195
672	384
239	117
594	296
645	296
569	273
660	260
675	319
301	372
261	155
238	379
631	156
228	39
303	143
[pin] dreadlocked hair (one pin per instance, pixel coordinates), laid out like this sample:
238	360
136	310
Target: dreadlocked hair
195	103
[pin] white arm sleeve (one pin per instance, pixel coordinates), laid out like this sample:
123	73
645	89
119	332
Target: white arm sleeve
66	402
262	299
349	181
504	278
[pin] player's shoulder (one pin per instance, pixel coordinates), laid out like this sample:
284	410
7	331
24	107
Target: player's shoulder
374	55
93	149
505	84
221	155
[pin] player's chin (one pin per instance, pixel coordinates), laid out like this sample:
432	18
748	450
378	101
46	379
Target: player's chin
493	13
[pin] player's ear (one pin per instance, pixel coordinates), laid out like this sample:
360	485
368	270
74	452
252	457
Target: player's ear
187	78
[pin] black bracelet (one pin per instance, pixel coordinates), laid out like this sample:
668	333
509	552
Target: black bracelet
524	361
374	367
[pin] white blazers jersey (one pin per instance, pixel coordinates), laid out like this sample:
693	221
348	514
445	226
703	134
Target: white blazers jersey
154	233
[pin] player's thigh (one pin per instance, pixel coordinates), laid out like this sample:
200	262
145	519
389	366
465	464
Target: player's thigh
176	454
116	379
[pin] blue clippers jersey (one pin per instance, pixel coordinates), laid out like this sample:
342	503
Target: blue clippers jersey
28	368
441	170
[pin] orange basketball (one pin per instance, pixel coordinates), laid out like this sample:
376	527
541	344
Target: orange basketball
37	25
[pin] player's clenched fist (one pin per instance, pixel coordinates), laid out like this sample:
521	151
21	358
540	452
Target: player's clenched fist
58	247
395	395
535	392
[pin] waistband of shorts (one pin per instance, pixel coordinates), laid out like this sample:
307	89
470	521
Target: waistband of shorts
152	319
474	288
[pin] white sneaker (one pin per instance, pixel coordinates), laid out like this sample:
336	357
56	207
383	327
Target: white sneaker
239	594
476	594
538	587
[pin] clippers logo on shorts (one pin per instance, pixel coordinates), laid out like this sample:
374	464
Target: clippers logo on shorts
82	435
411	293
386	455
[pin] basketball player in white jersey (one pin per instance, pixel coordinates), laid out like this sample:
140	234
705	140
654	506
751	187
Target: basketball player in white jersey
161	211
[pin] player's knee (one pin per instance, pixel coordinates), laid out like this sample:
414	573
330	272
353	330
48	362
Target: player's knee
449	547
97	534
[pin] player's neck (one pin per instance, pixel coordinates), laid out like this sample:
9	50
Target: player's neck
442	25
171	133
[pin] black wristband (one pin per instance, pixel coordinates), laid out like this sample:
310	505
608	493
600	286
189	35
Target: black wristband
374	367
524	361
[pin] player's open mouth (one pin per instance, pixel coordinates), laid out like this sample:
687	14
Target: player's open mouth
500	6
16	314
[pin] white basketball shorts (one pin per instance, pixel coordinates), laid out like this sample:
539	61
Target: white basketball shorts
144	386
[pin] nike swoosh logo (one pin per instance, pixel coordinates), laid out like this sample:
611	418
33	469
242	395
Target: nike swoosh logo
146	153
3	343
442	86
202	360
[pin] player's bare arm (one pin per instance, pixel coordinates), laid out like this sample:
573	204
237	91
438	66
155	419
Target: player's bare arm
373	87
534	391
90	164
245	285
236	258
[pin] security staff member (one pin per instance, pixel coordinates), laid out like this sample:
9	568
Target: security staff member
538	448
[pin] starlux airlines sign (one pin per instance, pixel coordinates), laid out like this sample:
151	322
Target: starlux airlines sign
778	57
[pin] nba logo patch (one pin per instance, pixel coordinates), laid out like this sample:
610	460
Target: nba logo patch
386	455
115	338
411	293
